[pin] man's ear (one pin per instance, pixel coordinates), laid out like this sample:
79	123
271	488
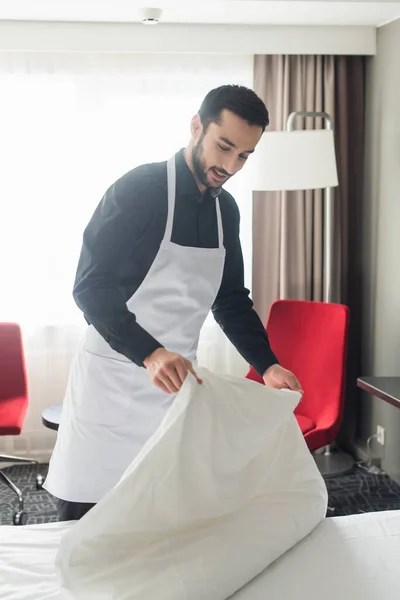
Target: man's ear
196	128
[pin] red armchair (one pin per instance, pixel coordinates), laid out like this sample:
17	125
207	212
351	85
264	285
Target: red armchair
310	339
13	402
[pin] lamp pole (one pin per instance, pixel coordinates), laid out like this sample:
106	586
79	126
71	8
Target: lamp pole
329	208
330	464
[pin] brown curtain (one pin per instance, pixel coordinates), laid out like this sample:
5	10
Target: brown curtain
288	226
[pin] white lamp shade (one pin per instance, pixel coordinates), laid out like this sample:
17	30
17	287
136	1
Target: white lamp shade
294	160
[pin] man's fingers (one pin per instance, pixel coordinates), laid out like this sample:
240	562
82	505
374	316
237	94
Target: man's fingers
168	371
293	384
297	385
277	385
190	368
158	383
182	370
279	378
167	383
173	375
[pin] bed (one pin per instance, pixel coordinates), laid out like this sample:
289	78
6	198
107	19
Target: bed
354	557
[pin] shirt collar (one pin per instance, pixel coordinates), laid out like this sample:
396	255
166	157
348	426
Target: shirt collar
185	181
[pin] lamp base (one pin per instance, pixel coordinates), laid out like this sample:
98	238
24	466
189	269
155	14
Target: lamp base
334	463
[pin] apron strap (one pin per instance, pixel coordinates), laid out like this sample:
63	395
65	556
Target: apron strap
171	185
220	228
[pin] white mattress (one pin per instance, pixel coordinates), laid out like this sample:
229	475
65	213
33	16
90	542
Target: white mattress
353	557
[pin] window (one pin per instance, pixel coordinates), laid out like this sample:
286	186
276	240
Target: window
70	126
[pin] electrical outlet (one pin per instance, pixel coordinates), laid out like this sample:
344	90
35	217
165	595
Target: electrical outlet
380	435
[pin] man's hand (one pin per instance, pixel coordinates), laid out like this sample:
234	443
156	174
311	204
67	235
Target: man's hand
280	378
168	370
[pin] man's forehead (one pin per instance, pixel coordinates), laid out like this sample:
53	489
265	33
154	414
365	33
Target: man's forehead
237	132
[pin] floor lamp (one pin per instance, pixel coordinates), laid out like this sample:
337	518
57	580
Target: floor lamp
303	160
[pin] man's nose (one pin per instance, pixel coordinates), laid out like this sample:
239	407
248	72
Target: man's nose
230	165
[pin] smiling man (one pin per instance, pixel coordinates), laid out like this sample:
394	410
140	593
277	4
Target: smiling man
160	251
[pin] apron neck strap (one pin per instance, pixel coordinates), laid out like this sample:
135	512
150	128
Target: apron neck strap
219	222
171	186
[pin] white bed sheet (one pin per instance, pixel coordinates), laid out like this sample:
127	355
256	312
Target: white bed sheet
345	557
27	561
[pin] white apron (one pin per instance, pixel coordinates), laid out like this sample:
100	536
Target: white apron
111	408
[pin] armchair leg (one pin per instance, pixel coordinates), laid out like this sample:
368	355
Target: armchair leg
14	488
5	458
18	459
19	517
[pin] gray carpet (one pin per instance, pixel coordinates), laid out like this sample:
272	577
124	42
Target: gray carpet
355	493
39	505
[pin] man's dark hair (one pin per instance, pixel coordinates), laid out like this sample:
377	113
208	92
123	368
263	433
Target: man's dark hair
238	99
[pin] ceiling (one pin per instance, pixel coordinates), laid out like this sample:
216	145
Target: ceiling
251	12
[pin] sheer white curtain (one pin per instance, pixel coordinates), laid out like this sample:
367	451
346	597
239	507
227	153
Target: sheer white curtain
70	125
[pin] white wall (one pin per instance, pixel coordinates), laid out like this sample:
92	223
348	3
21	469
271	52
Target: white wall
381	241
226	39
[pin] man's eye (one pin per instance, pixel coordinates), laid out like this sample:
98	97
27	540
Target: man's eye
224	148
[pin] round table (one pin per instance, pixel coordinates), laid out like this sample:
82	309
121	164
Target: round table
51	416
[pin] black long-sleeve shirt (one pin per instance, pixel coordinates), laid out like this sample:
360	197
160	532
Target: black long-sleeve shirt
120	244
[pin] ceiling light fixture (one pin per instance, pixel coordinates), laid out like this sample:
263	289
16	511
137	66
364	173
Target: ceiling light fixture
150	16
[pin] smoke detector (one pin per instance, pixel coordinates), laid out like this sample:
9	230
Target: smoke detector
150	16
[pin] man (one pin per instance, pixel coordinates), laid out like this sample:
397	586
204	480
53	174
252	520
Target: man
160	251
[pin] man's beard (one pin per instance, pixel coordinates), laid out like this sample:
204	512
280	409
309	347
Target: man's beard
199	165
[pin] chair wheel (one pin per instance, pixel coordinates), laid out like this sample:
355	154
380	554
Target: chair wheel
39	482
20	518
